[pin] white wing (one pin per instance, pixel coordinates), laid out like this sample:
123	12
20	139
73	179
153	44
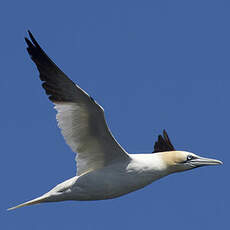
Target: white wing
80	118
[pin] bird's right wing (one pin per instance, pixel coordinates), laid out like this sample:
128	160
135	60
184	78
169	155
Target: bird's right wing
80	118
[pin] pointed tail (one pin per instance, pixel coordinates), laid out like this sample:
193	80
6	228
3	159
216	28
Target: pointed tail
38	200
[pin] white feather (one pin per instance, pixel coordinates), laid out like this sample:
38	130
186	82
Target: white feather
85	131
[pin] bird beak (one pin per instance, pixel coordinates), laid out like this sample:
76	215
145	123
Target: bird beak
202	161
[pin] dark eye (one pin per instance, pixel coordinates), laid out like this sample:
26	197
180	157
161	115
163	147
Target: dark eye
189	157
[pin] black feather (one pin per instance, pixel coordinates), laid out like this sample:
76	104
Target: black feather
57	85
163	144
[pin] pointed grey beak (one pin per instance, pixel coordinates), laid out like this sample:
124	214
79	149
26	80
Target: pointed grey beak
202	161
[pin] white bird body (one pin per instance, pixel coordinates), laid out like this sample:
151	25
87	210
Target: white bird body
104	169
113	180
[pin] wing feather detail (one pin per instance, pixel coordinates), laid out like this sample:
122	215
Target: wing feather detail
79	117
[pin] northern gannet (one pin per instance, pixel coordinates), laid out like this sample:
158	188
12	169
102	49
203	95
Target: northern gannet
104	169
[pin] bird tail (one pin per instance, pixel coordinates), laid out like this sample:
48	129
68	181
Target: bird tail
38	200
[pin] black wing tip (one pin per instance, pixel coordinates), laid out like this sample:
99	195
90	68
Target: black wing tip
35	51
28	42
30	35
29	32
54	80
32	38
163	143
34	42
165	135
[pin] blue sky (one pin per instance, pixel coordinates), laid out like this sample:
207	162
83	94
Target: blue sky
151	65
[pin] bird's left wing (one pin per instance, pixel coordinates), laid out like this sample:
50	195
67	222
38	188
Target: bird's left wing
80	118
163	144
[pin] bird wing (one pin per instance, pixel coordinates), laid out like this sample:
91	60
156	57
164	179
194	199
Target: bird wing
163	144
80	118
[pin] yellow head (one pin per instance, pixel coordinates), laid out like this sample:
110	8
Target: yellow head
177	161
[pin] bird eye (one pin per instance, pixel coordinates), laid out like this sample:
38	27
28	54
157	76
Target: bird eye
189	157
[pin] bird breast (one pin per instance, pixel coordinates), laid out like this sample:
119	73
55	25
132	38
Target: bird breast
117	179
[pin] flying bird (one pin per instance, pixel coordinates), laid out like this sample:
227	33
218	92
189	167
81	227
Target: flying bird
104	169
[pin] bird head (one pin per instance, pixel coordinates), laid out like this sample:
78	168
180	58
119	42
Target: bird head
177	161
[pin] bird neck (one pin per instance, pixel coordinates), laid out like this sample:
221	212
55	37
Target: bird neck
150	164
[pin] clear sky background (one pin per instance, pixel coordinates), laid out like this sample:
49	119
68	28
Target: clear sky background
151	65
